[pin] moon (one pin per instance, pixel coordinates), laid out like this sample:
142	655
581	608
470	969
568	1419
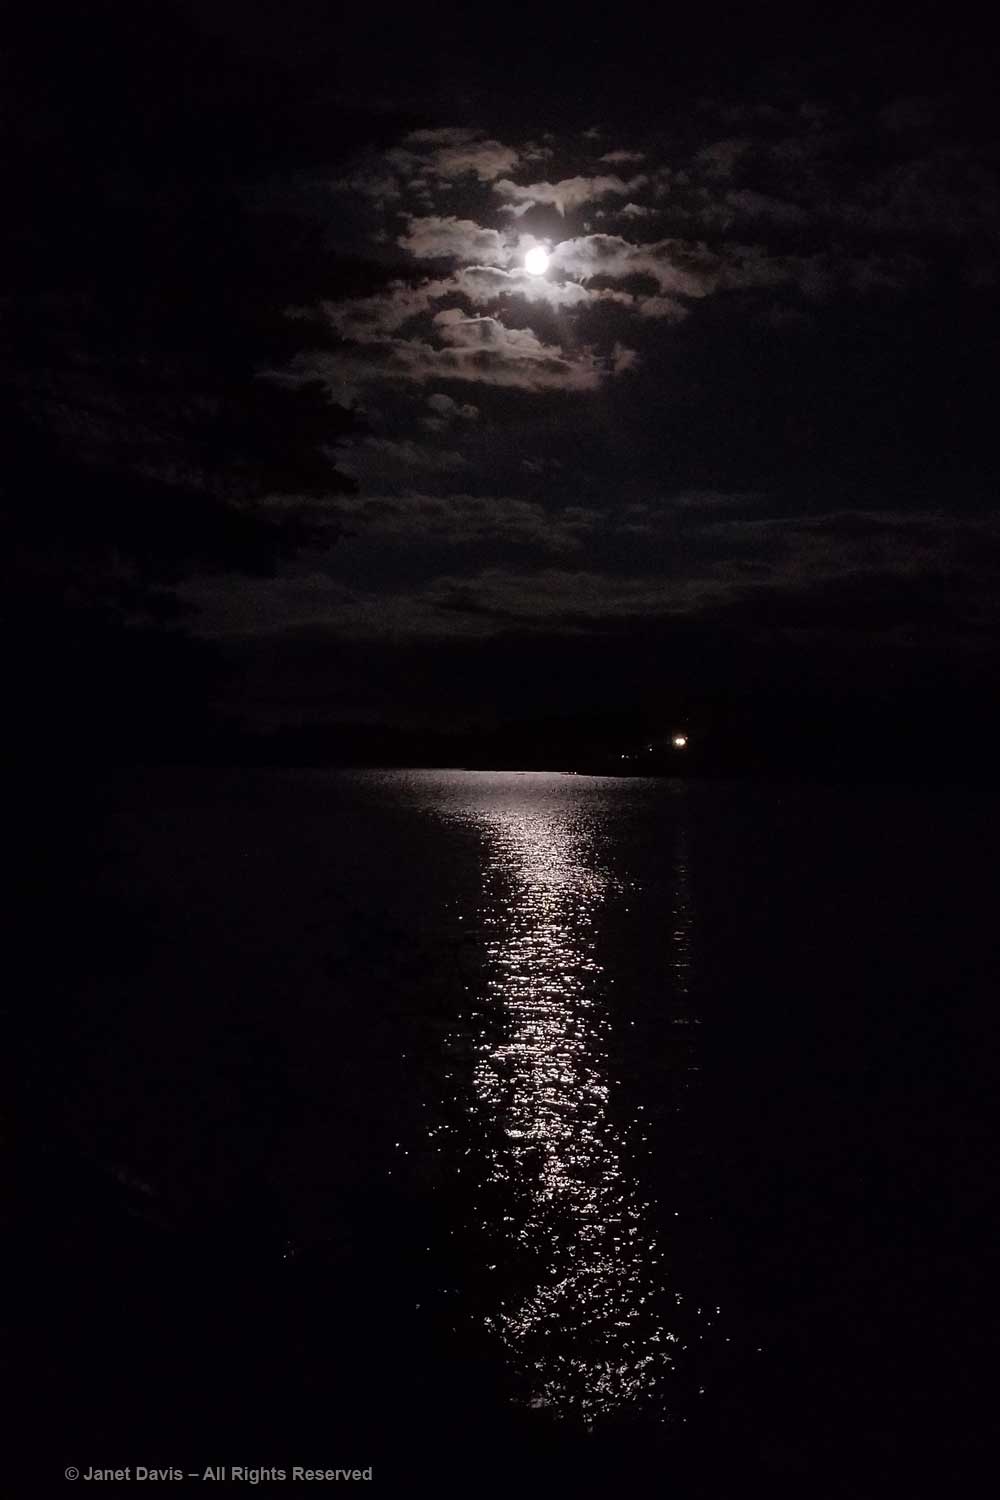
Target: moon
536	262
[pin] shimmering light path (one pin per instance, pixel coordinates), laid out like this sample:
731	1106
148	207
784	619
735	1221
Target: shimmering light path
584	1307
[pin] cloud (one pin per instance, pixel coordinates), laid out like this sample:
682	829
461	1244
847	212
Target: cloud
517	210
447	135
661	307
691	271
433	237
477	605
713	500
465	520
488	344
718	214
636	211
484	285
579	599
923	548
619	158
362	318
953	192
365	317
484	159
623	359
460	152
841	571
487	355
371	320
751	205
448	409
570	193
719	160
377	458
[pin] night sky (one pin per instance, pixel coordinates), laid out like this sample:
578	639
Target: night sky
738	438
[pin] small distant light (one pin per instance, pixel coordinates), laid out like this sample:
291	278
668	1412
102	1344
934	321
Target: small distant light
679	741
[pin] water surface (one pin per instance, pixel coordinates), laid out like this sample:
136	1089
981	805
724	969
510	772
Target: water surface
606	1103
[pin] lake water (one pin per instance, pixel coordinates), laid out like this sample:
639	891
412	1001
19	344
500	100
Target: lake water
580	1110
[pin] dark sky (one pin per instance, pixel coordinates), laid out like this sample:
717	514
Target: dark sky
740	435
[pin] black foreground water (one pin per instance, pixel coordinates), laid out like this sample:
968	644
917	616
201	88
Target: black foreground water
473	1125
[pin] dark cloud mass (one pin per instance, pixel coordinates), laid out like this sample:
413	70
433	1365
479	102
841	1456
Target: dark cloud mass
751	393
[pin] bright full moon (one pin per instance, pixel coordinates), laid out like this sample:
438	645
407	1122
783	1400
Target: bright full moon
536	262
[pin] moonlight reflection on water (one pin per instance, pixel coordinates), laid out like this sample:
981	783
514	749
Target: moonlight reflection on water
583	1309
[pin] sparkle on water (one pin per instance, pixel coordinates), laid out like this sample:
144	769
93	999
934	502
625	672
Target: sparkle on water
585	1310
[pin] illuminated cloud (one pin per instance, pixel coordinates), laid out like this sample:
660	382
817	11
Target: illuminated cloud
691	271
360	318
486	355
433	237
660	307
484	285
456	153
518	210
570	193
